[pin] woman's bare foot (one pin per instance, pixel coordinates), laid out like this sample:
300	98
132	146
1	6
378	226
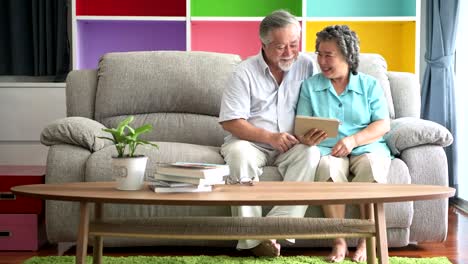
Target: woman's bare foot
339	252
268	248
361	254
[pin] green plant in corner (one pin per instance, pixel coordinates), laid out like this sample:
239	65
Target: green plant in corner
124	135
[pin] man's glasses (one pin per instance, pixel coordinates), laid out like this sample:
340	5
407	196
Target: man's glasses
246	181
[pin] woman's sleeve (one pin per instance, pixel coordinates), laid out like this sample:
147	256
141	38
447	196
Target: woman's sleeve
304	105
377	102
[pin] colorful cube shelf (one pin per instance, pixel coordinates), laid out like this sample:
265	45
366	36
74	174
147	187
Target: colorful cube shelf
19	175
387	27
21	218
21	232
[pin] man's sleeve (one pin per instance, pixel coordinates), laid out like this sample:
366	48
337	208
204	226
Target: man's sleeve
235	103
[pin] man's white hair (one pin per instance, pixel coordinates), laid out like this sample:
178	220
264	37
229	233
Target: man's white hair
277	19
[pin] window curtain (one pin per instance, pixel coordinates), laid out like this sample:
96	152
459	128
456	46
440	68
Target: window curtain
438	89
33	38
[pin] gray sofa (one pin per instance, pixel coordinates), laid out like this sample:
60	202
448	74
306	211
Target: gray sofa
179	93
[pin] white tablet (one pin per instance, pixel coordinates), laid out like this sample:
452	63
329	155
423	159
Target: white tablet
303	124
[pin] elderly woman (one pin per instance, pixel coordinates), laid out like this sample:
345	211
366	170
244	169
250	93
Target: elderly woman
358	153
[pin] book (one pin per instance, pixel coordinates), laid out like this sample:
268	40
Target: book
195	170
182	164
303	124
172	184
193	188
191	180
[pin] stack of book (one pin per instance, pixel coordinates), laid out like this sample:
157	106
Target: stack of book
188	177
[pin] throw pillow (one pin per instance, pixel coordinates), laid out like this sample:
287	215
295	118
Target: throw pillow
79	131
409	132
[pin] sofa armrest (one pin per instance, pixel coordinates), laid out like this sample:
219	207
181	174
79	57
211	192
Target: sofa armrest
78	131
408	132
406	94
428	165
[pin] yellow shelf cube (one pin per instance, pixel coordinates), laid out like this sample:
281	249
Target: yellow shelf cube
394	40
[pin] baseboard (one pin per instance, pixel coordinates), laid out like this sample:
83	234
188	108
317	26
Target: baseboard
460	204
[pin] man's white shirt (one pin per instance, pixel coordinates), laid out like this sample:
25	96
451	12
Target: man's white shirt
253	94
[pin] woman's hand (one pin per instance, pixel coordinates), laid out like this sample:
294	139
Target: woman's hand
343	147
313	137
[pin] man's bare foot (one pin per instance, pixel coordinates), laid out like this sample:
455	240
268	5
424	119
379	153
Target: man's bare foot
268	248
339	252
361	254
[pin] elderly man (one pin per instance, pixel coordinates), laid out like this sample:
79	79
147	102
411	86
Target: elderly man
258	110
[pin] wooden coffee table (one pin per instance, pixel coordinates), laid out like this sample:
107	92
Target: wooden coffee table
233	228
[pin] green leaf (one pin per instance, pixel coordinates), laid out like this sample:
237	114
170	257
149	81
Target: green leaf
123	124
149	143
131	130
110	130
108	138
143	129
124	135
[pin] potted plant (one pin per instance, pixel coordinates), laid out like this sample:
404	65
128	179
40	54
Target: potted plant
128	168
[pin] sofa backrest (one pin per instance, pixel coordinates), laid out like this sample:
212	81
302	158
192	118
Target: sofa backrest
376	66
178	92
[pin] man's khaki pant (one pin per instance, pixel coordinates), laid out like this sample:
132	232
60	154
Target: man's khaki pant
245	160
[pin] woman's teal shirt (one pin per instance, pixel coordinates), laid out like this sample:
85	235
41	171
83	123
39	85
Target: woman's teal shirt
361	103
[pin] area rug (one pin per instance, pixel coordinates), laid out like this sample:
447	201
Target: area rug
223	260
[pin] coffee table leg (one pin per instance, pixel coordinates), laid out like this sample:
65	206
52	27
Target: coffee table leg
370	241
381	233
97	247
83	228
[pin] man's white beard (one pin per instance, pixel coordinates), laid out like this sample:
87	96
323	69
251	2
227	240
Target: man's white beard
286	66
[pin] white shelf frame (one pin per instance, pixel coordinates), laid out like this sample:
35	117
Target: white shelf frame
188	19
131	18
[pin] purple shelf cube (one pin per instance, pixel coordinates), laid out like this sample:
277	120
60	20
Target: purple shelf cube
97	37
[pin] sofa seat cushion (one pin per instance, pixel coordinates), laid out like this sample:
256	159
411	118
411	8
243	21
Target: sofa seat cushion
398	215
99	168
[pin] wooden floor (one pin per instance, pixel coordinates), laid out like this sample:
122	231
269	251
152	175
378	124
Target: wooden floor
455	248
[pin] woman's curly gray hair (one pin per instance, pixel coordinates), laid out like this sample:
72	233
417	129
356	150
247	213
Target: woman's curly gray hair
346	40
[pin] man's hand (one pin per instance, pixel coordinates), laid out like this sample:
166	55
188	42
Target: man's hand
343	147
313	137
282	141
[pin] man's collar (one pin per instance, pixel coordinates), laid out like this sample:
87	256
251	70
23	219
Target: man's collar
261	60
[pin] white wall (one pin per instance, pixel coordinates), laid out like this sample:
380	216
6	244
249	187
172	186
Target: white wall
25	109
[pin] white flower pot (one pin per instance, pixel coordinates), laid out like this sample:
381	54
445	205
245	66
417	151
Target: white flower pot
129	172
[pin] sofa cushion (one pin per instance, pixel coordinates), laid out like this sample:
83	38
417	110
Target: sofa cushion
376	66
409	132
99	168
177	127
399	215
162	81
